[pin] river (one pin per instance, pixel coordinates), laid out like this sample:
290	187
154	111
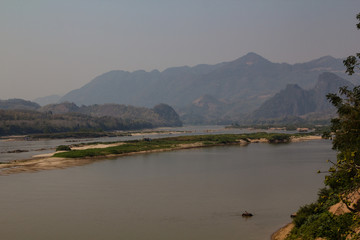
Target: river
187	194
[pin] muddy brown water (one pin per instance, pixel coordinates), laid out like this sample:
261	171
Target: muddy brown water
187	194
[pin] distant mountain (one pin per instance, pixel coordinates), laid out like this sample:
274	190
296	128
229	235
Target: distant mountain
327	83
239	86
292	101
16	103
205	109
42	101
295	101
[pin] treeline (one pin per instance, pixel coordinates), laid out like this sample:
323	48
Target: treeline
19	117
18	122
161	115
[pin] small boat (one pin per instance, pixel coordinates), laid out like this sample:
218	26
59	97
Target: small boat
246	214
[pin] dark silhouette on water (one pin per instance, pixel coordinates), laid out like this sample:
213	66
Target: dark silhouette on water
246	214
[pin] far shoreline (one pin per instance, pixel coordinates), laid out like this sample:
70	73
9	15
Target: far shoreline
49	162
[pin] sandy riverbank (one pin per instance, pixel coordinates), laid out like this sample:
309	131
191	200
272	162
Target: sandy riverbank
305	138
47	162
282	232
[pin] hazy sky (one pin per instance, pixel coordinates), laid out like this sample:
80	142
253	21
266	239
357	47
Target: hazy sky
54	46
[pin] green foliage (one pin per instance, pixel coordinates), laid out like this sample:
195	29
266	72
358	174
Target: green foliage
63	148
20	122
352	63
324	225
347	125
303	213
167	143
315	220
279	138
345	173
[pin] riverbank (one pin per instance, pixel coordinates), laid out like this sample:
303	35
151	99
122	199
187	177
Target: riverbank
48	162
282	233
96	152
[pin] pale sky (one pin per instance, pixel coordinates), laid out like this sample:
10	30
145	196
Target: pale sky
54	46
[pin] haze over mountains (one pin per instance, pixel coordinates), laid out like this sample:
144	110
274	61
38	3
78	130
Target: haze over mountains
295	101
219	93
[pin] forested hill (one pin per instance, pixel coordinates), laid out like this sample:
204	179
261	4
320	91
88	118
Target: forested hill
67	117
17	103
161	115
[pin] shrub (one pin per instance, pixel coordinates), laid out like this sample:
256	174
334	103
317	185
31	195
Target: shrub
303	213
63	148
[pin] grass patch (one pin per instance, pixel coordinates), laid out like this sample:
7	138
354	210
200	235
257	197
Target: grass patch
172	142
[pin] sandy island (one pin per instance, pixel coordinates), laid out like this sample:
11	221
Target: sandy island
47	162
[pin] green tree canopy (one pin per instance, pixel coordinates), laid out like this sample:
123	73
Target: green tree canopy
345	174
353	62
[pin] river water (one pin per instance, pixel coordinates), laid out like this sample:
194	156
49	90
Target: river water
187	194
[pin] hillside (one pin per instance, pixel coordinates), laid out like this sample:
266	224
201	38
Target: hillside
20	122
161	115
20	117
295	101
16	103
42	101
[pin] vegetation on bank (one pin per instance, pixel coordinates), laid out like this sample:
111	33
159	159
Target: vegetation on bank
69	118
134	146
22	122
314	220
343	182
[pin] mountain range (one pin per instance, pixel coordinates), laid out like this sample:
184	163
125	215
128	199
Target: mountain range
220	93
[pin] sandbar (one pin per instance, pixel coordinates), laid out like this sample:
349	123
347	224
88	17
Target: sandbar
48	162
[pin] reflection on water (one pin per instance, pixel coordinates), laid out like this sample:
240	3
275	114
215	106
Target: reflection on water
187	194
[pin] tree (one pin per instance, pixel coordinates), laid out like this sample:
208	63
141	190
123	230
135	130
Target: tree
353	62
345	173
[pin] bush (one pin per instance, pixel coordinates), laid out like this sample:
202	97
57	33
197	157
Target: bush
303	213
279	138
63	148
326	225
